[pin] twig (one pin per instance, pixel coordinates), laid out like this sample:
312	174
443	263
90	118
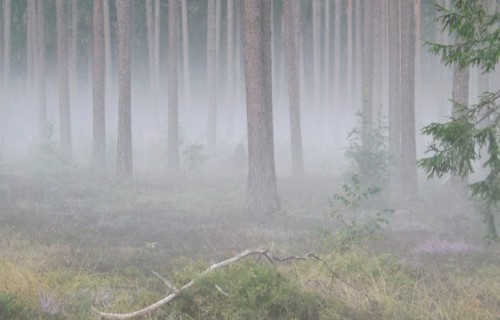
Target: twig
260	253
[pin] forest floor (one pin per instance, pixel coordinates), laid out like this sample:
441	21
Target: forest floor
71	240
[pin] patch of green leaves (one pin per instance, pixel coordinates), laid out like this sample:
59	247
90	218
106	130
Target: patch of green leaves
356	222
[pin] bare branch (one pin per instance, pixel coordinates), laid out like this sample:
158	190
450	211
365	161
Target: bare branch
260	253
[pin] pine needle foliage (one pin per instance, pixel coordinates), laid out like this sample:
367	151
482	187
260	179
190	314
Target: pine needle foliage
473	135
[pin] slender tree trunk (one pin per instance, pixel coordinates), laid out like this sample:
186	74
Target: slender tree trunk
367	76
7	11
408	143
63	80
212	76
107	51
262	187
394	91
326	66
150	20
230	65
316	27
358	54
98	87
74	51
173	121
460	98
350	54
336	54
293	89
30	48
377	55
185	56
124	155
40	71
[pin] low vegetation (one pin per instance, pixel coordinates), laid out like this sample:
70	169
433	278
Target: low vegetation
95	243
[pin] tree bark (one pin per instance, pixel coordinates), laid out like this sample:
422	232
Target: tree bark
394	91
230	65
153	85
185	56
124	159
350	54
30	48
212	77
98	87
107	51
74	51
173	121
40	72
336	55
316	29
367	76
63	80
7	12
408	143
293	89
262	186
326	56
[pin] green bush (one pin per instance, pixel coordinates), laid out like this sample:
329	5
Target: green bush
250	291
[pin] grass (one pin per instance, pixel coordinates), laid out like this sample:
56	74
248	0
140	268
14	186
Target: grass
70	240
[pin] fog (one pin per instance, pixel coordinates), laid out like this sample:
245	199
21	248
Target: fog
74	237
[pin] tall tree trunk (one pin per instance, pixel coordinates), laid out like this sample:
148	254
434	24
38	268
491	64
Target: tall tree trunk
212	77
460	98
293	89
336	54
358	54
408	143
367	76
173	121
98	87
63	80
107	52
394	91
40	71
230	65
74	51
377	55
124	156
316	29
30	48
7	11
185	56
262	186
326	56
350	54
153	85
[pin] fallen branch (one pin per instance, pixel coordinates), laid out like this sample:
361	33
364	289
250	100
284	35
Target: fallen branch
155	306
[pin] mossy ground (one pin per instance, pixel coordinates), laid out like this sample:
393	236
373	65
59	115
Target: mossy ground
70	240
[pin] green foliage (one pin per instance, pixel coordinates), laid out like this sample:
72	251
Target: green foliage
12	308
477	32
473	135
356	224
369	153
249	291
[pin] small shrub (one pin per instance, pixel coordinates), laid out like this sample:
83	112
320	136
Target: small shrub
251	291
356	224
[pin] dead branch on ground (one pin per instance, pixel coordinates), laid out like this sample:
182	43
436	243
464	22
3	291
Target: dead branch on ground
175	292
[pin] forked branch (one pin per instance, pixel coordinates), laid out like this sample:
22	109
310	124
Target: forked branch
155	306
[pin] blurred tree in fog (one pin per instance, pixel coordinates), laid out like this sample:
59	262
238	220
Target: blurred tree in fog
173	114
124	161
472	134
63	80
262	187
293	88
98	86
